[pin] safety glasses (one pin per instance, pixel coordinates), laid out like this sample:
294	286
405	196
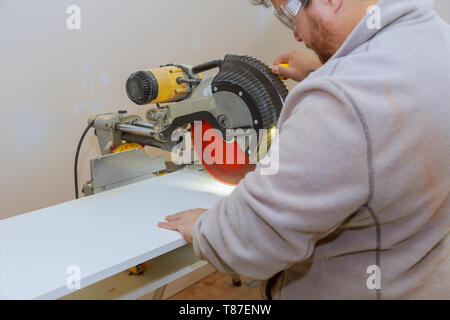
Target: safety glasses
288	12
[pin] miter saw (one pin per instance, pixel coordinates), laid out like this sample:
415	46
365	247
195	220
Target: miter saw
243	95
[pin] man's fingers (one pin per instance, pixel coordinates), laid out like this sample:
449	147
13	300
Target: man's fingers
173	217
168	225
176	216
285	72
282	59
179	215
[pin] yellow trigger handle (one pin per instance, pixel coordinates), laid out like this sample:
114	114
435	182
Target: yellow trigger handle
286	65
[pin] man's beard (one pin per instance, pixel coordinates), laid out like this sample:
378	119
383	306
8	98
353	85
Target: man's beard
323	38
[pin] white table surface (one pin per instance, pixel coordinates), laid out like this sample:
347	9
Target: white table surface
103	234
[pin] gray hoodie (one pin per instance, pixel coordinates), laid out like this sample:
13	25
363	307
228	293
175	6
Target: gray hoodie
364	176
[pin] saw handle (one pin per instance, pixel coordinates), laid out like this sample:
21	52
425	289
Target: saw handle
207	66
286	65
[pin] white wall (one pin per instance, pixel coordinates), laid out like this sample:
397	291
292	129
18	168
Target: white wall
53	79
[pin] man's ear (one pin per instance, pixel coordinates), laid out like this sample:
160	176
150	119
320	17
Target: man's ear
334	5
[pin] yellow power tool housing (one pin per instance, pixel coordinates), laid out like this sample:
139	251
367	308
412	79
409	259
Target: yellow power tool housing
159	85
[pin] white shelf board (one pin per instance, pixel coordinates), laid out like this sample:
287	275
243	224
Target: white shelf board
103	234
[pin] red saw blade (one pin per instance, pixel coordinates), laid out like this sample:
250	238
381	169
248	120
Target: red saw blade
227	163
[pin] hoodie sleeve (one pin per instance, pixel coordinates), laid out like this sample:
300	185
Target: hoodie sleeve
273	220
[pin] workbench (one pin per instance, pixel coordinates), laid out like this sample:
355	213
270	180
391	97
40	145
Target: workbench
102	235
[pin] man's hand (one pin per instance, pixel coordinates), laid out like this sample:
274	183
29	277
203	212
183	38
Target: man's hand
301	63
183	222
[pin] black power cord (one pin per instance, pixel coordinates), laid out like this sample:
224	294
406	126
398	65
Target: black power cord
75	168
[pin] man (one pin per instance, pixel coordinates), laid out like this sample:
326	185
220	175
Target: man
360	207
